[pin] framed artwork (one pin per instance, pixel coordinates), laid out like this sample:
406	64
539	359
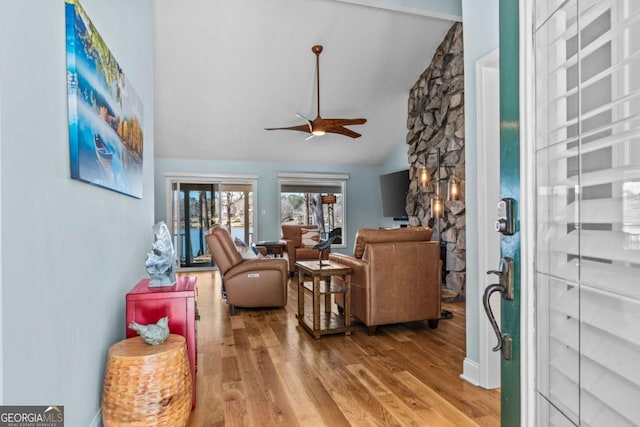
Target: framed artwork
105	113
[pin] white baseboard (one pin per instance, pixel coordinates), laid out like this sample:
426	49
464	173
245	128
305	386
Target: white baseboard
97	420
471	371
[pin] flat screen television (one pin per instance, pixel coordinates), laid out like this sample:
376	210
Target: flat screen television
393	188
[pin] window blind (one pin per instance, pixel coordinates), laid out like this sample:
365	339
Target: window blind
588	210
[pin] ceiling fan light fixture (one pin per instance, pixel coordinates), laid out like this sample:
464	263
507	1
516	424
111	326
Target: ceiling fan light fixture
320	126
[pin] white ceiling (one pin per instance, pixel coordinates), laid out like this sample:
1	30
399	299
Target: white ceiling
225	70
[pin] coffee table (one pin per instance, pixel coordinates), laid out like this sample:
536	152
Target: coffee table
322	322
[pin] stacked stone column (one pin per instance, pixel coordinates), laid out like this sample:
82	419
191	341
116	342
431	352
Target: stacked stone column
436	121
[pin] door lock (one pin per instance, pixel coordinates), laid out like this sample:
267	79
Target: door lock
505	223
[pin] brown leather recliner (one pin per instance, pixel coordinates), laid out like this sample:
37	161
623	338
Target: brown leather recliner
259	282
396	277
294	249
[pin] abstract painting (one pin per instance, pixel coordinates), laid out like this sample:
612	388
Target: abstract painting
105	113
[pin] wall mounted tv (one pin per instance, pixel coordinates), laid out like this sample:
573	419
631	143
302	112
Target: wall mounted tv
393	188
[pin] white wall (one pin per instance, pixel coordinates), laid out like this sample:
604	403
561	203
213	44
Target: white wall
70	251
480	23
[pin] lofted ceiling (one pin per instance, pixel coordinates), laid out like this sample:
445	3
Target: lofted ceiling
225	70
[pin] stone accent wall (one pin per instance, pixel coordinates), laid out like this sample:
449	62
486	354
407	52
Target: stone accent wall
436	120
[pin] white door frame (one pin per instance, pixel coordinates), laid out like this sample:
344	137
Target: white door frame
488	157
527	214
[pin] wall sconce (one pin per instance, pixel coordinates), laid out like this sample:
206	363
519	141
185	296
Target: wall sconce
424	178
437	206
454	184
454	187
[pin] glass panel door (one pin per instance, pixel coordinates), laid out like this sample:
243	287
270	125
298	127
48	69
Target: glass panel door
237	210
196	207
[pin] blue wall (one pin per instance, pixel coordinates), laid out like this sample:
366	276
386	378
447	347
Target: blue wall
71	250
364	207
480	38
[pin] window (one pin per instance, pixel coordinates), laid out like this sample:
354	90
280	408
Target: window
318	199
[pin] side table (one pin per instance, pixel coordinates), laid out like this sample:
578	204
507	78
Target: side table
274	248
147	305
321	322
147	385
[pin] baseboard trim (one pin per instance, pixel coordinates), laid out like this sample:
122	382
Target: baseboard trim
471	371
97	420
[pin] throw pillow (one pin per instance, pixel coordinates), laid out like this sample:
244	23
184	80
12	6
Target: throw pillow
247	253
310	237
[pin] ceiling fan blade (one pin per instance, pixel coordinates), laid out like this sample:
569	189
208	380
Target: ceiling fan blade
302	128
343	131
327	123
307	120
343	122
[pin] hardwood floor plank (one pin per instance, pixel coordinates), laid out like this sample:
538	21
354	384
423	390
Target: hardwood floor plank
301	401
391	402
439	408
235	405
257	367
318	395
230	369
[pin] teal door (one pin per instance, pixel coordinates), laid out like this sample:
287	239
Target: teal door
510	188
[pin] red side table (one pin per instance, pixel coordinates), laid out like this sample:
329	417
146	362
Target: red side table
147	305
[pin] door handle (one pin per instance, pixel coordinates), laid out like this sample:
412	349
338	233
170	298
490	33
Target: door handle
505	287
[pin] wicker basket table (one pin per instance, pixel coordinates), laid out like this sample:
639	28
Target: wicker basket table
147	385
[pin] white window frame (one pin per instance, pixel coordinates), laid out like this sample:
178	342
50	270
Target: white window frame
319	179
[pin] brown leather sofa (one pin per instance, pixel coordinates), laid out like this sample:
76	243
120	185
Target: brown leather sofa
396	277
261	282
294	249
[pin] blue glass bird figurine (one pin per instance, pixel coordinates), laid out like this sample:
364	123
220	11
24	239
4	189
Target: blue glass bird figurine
323	246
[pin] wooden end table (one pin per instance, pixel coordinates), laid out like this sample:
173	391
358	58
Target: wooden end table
274	248
318	322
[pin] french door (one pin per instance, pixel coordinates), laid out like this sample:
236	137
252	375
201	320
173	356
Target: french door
587	198
196	202
195	208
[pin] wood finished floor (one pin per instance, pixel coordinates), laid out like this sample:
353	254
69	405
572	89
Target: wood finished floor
256	367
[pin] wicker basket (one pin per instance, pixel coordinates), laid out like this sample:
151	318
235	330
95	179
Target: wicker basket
147	385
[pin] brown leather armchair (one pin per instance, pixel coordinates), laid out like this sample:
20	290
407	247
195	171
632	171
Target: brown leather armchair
396	277
295	249
261	282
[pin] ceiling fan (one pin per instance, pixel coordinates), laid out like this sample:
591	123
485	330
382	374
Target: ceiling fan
320	126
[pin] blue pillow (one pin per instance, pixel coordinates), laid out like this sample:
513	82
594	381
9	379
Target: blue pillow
241	244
